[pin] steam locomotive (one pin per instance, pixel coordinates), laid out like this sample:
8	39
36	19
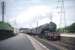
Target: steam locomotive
49	32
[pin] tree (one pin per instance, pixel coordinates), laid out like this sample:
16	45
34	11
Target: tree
72	28
6	30
69	29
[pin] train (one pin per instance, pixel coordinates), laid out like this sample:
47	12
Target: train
48	31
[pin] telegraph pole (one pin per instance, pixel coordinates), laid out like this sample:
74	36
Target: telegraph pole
3	10
37	25
51	17
61	13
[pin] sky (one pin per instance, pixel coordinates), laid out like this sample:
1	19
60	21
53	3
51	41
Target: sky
27	13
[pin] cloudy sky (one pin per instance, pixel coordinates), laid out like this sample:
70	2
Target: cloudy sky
27	13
